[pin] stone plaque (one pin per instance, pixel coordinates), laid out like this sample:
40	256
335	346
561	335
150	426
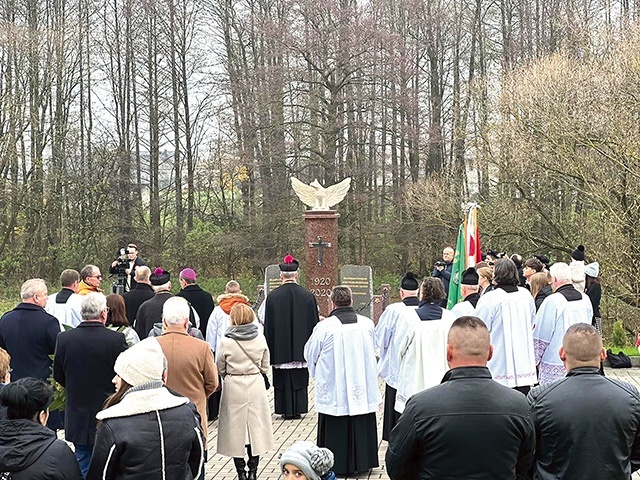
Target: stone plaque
271	278
360	279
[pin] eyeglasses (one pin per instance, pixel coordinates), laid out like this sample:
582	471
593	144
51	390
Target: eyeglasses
99	277
105	309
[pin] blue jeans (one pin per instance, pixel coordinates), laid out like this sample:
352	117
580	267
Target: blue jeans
83	455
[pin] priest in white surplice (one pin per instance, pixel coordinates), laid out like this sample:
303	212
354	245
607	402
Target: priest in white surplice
341	357
65	305
508	311
423	354
565	307
394	324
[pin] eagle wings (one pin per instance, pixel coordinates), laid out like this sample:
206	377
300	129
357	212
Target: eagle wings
318	197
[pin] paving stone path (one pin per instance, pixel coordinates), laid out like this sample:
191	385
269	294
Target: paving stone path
287	432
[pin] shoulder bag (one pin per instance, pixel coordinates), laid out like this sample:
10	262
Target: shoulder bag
267	385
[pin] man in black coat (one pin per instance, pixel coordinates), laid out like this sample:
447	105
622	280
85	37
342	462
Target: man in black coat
290	314
587	425
442	270
134	263
83	364
469	426
200	299
150	312
142	292
29	333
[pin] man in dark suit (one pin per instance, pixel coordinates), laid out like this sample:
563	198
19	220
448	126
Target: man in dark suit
200	300
29	333
134	263
138	295
83	364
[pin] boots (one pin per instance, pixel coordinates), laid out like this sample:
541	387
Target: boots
240	464
253	467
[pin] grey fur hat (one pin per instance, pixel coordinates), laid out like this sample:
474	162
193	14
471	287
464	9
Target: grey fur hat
314	461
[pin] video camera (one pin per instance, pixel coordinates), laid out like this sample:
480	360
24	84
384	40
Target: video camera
119	285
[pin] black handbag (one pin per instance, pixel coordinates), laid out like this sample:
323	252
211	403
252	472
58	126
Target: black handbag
267	385
618	360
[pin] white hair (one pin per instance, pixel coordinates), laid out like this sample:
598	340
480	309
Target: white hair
92	305
33	286
162	288
288	275
175	311
560	272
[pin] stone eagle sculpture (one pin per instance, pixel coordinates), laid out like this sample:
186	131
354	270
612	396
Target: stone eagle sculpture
318	197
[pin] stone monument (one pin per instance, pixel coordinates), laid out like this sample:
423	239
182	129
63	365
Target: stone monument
360	279
272	279
321	237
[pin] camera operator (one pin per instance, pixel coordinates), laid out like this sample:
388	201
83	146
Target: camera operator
442	270
128	264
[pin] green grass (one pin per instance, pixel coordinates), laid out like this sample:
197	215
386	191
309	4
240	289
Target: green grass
631	351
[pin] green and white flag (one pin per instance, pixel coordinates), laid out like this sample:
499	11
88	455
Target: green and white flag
457	269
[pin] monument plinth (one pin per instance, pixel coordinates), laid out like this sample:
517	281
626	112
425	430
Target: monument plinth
321	254
321	238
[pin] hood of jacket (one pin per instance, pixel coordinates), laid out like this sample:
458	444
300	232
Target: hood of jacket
144	400
228	300
22	442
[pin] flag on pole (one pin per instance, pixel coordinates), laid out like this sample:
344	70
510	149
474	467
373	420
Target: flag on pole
468	253
472	237
457	269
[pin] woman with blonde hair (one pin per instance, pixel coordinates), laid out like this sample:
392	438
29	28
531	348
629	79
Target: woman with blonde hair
245	417
485	275
540	287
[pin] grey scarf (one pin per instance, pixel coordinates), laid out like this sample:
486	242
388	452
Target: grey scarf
242	332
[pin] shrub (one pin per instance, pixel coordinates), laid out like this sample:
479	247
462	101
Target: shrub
619	335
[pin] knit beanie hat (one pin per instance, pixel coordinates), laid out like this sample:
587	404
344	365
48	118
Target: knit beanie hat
143	362
314	461
578	253
593	269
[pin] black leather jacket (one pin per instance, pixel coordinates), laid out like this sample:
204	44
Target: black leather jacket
468	427
588	427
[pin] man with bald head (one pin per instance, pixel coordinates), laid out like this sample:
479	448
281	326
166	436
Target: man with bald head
442	270
140	293
587	425
469	426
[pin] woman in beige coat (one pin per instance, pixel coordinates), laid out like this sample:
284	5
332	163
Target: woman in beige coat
245	417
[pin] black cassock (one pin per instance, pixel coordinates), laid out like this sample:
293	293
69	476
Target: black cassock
290	314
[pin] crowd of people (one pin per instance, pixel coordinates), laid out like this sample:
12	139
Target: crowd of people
489	389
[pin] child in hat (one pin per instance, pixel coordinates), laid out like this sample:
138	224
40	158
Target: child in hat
306	461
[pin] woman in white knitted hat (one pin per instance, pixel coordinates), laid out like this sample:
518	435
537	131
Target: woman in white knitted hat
145	431
306	461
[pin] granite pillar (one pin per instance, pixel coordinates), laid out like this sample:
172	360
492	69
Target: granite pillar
321	254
